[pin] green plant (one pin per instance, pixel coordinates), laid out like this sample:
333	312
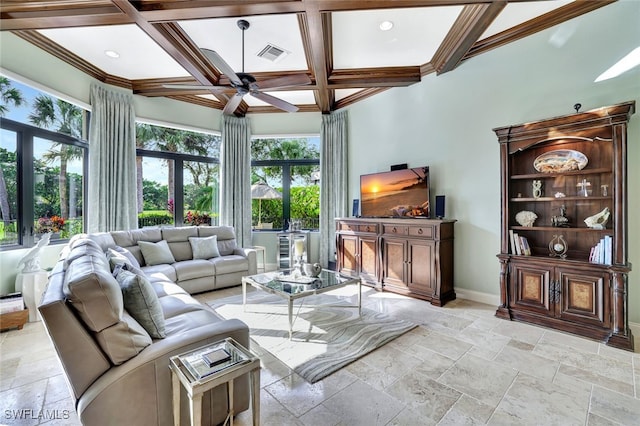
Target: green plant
197	218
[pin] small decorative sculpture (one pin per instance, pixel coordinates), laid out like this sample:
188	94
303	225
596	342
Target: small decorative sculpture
605	190
558	247
526	218
31	260
560	195
584	187
537	188
598	220
561	221
312	269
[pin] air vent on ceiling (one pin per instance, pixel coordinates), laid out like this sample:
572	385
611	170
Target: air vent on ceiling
272	52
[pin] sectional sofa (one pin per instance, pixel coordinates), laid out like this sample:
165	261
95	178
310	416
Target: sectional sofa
118	306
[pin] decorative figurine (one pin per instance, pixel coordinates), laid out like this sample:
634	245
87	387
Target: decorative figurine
584	187
604	190
598	220
560	195
537	188
526	218
558	247
31	260
560	221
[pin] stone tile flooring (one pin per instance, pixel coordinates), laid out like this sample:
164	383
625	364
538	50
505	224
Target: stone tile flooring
461	366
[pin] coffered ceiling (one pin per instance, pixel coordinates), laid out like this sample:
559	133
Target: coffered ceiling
338	44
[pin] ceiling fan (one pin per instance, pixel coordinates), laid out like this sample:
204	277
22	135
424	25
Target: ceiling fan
245	83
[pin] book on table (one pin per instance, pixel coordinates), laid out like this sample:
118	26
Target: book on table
211	359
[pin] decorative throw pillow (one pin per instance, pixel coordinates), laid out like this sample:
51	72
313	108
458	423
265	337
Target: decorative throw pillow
142	303
156	253
126	253
117	258
204	248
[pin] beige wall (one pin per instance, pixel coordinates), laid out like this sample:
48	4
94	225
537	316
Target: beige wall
444	122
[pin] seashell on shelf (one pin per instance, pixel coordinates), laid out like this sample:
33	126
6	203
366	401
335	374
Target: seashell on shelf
598	220
526	218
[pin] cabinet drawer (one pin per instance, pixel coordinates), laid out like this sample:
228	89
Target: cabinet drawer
395	229
371	227
421	231
348	227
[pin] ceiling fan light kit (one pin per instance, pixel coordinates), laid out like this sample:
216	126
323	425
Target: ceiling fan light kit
245	83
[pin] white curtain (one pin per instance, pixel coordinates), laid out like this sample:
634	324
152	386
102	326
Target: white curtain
112	201
235	177
334	180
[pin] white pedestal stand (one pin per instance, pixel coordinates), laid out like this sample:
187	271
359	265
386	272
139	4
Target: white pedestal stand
32	285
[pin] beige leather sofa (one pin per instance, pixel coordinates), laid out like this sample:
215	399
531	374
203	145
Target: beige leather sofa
194	275
117	372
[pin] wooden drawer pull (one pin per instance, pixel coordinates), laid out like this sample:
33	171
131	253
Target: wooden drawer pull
394	230
420	231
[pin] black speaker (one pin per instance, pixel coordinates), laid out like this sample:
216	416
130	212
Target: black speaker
356	208
399	166
440	206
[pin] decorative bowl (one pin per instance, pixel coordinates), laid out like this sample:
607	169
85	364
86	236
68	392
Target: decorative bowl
560	160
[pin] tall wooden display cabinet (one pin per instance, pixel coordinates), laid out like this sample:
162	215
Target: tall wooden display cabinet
556	173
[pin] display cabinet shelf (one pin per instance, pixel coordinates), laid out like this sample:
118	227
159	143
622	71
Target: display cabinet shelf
559	200
558	285
585	172
559	230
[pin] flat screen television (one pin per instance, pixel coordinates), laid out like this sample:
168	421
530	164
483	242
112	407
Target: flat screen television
398	193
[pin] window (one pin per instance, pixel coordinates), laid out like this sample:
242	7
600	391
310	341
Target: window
8	187
177	176
291	167
43	161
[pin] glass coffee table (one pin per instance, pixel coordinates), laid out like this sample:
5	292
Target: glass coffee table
291	285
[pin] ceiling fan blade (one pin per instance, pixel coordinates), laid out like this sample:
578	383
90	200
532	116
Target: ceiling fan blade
286	81
233	104
222	66
276	102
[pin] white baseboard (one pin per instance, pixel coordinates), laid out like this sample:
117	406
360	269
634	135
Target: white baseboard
478	296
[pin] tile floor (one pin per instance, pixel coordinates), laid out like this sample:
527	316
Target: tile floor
461	366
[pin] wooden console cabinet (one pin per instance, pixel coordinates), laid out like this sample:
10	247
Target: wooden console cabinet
564	170
407	256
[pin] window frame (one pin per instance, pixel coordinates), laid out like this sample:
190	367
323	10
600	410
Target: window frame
286	166
178	178
25	135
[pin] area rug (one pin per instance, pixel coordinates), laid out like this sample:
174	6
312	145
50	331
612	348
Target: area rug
324	340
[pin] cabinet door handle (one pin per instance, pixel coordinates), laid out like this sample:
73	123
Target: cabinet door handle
420	231
394	230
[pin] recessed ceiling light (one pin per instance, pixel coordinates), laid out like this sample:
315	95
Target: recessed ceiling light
386	25
112	53
623	65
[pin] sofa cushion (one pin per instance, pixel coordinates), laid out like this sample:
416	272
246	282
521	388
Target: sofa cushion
141	302
178	240
230	264
103	239
204	247
94	293
82	248
156	253
165	271
123	340
196	268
